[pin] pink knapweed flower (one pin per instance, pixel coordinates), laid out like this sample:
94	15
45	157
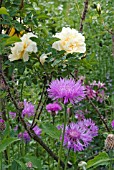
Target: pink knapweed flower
79	135
53	107
28	110
66	89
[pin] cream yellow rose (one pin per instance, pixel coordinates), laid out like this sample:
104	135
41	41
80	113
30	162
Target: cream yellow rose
22	49
70	41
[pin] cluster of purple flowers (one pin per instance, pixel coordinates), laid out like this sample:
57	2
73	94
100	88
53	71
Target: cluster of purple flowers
96	91
28	110
67	90
25	136
79	135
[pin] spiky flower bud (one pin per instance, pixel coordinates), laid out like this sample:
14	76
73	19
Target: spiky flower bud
109	142
21	105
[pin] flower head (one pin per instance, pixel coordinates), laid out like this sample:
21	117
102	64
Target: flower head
28	110
66	89
12	114
37	130
22	49
112	124
53	107
109	142
70	41
79	135
24	136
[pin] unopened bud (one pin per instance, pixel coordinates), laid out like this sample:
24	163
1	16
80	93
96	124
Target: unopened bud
99	9
29	164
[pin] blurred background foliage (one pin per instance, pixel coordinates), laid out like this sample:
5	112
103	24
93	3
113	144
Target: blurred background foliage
45	18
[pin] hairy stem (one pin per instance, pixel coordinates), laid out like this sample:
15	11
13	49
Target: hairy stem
60	151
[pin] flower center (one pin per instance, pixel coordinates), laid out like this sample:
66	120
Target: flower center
74	134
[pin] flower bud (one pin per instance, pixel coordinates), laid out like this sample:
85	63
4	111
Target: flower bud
29	165
99	9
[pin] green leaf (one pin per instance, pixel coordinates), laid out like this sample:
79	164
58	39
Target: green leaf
35	161
12	40
23	166
6	142
101	159
51	130
3	10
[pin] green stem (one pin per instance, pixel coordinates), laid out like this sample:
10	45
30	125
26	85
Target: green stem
111	156
1	161
67	159
60	150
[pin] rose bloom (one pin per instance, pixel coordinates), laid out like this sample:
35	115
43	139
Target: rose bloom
70	41
22	49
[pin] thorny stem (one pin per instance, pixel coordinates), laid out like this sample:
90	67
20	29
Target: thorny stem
101	117
32	125
84	14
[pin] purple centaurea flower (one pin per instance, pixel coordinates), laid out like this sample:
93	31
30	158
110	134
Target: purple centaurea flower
37	131
24	136
53	107
91	94
79	135
28	110
66	89
112	123
2	121
12	114
79	116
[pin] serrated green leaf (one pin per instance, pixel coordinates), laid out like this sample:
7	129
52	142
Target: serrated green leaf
3	10
12	40
101	159
51	130
6	142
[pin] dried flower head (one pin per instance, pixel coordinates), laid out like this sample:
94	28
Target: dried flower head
109	142
66	89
